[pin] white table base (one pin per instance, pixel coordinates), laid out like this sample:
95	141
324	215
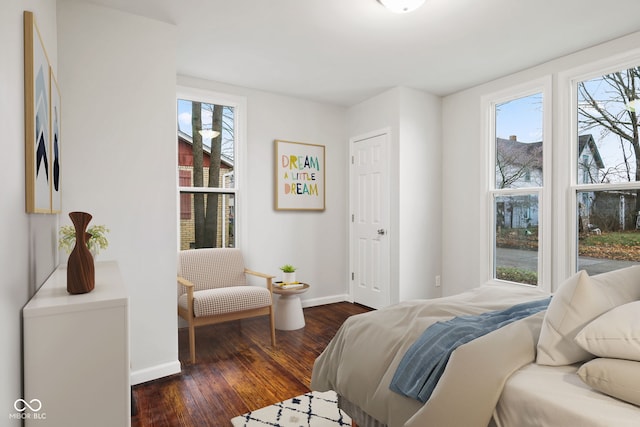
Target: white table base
289	314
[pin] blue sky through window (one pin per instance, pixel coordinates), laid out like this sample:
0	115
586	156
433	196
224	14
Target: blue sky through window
521	117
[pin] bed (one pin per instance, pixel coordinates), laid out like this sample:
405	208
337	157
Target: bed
576	362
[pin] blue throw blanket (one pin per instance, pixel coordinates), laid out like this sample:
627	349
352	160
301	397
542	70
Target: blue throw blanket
425	361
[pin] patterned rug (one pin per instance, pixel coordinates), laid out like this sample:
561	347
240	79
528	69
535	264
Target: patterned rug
314	409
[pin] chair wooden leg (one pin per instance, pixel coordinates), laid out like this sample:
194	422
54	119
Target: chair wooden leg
273	326
192	342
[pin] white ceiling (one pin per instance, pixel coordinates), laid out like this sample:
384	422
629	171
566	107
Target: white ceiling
345	51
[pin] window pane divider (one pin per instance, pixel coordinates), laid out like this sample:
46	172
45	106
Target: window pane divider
516	191
633	185
207	190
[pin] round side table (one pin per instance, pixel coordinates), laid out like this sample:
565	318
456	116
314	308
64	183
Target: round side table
288	313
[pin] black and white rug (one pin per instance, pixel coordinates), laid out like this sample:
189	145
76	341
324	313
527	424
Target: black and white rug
314	409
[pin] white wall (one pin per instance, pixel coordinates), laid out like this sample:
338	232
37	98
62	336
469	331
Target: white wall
27	242
413	118
117	79
462	245
420	194
313	241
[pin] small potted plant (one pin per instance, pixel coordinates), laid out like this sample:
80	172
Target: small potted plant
96	242
288	273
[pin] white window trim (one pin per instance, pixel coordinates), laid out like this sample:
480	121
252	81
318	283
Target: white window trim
488	193
239	103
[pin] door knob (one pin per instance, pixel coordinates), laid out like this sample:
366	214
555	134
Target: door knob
381	231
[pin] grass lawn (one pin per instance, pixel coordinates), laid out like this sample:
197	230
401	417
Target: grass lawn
622	245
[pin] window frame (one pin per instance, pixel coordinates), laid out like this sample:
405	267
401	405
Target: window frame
490	193
559	213
239	103
568	122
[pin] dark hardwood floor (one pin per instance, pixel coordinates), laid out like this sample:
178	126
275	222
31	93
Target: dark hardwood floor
237	370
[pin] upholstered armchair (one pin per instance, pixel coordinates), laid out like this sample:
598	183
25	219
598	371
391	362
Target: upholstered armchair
212	288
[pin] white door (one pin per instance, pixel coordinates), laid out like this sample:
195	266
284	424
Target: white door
370	220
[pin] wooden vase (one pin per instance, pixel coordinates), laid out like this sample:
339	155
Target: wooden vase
81	277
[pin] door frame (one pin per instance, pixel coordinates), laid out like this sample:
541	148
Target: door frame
352	246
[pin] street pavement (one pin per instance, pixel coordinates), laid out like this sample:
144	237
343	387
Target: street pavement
529	260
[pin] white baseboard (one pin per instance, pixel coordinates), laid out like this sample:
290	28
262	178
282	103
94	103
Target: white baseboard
153	373
312	302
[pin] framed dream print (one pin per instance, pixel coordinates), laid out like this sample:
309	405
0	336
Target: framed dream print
300	176
54	152
37	119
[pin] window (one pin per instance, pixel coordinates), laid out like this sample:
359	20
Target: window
595	187
519	179
519	155
208	140
607	184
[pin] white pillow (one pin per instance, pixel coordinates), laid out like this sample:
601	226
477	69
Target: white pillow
615	334
578	301
614	377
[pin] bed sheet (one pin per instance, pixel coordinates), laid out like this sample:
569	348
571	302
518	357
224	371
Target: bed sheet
550	396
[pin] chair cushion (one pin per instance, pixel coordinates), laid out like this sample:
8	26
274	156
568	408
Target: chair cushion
212	267
211	302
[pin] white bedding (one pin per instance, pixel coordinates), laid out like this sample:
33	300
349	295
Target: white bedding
550	396
477	387
361	359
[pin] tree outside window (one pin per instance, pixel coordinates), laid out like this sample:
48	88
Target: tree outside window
608	185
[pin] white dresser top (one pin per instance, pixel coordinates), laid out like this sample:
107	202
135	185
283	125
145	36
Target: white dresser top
53	298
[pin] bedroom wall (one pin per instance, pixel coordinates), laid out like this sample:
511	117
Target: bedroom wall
314	241
117	78
133	123
461	177
414	120
28	243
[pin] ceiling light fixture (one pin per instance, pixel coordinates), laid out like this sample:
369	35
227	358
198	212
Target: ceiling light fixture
401	6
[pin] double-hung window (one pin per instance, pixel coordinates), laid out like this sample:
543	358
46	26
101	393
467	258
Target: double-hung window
594	224
208	141
518	178
605	184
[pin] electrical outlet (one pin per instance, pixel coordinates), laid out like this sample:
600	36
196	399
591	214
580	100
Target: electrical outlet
437	281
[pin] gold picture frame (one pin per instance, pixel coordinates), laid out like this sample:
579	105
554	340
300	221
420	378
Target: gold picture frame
37	95
300	176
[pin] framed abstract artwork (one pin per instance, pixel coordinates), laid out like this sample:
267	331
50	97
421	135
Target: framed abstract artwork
37	99
300	176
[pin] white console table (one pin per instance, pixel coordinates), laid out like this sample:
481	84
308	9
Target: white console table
76	353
